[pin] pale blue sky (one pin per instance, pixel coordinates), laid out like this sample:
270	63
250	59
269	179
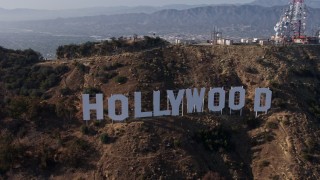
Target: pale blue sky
70	4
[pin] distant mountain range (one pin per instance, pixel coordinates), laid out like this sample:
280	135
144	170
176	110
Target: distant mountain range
245	20
35	14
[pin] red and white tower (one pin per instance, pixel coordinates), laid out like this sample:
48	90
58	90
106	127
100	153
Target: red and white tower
292	24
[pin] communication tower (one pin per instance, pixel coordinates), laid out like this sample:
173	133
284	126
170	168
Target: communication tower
292	24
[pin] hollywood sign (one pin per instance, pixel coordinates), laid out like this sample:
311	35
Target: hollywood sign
195	103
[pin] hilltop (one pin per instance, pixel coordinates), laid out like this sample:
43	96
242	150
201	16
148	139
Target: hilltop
43	135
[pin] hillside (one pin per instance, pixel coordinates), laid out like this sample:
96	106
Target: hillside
43	135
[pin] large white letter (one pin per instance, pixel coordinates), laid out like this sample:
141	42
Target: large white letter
257	100
156	105
195	101
175	102
137	107
86	106
211	98
232	94
124	107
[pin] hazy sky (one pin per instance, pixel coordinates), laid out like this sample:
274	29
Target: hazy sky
67	4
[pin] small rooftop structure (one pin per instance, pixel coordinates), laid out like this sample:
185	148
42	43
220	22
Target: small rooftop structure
246	41
264	42
227	42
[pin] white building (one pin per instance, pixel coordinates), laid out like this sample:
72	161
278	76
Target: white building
227	42
256	40
246	41
264	42
220	41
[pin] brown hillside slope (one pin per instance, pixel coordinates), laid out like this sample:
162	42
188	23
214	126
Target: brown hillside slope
282	144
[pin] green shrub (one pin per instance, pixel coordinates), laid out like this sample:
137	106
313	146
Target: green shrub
91	91
253	122
307	156
214	139
274	84
104	138
279	102
105	77
312	145
251	70
46	157
272	125
9	153
315	110
286	122
177	143
81	67
76	152
302	72
65	91
84	129
62	69
264	163
262	138
97	123
113	67
121	79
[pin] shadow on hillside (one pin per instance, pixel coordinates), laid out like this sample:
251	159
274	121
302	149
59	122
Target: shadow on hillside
197	136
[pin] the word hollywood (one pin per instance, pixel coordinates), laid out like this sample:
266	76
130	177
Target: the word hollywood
195	103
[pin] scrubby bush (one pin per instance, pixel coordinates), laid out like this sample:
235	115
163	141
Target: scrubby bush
264	163
62	69
91	90
307	156
214	139
65	91
46	157
315	110
84	129
121	79
34	82
81	67
252	122
177	143
251	70
104	138
302	72
272	125
263	138
279	102
9	153
112	67
312	145
18	106
97	123
105	77
76	152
